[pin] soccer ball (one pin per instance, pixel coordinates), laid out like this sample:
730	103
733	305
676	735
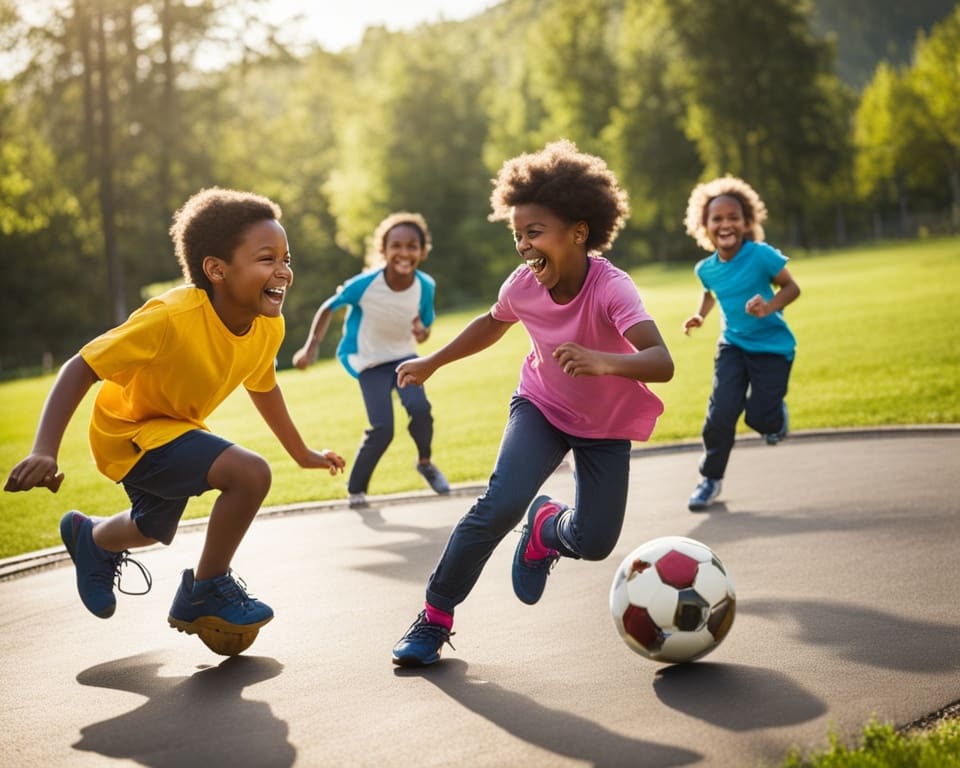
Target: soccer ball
672	600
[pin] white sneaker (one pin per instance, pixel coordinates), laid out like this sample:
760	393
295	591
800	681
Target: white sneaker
358	501
704	495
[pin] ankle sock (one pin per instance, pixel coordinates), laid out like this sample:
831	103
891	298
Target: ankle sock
436	616
543	538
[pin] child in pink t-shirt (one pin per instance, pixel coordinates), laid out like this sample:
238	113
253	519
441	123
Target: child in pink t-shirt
581	386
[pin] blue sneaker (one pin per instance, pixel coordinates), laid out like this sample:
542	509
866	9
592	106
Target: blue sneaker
530	576
776	437
421	643
221	604
704	495
97	569
435	477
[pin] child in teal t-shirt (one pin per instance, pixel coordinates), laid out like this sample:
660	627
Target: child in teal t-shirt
756	346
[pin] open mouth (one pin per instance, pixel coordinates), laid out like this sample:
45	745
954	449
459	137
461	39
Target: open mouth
276	294
536	264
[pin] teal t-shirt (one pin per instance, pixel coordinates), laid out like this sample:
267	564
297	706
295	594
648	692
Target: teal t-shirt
734	283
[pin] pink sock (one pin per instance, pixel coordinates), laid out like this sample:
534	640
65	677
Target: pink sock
536	549
436	616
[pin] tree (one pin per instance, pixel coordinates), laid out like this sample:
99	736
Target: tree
935	77
757	84
653	158
885	137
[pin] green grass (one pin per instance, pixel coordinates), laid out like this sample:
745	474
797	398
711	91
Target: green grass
878	345
882	747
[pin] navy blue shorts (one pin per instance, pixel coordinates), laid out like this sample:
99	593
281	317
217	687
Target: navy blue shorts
161	483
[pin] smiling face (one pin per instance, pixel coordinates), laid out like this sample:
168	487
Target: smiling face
552	248
403	250
726	225
255	280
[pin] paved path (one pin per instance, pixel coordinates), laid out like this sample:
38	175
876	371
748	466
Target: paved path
845	554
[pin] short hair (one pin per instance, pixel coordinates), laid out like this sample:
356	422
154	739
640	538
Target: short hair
574	185
378	240
212	223
754	209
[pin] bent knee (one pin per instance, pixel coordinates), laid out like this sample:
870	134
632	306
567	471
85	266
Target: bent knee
240	469
595	549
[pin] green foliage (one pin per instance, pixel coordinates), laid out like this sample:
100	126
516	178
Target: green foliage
882	747
865	31
104	136
873	350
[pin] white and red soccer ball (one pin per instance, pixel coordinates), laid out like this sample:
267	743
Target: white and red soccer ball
672	600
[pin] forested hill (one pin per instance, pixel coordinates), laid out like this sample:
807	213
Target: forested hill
867	31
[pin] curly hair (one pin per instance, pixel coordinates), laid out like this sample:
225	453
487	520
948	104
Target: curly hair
378	240
575	186
754	209
212	223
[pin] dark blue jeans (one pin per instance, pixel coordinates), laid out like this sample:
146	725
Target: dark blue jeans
377	385
530	450
742	382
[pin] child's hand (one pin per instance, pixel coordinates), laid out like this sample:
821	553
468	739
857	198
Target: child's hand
578	361
694	321
415	371
35	470
420	331
757	307
304	356
325	459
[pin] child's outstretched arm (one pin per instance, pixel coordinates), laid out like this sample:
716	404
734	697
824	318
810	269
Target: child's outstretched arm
318	329
480	333
696	320
273	409
787	292
40	467
651	361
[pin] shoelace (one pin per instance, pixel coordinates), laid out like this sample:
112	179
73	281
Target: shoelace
421	628
544	564
122	559
233	590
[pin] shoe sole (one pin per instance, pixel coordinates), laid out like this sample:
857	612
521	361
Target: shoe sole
221	637
413	661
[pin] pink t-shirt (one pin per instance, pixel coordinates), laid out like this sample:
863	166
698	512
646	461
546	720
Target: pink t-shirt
610	407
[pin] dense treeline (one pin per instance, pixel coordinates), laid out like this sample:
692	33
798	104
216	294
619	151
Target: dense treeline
112	123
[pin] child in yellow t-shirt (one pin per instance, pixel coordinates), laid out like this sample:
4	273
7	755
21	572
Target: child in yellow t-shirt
164	371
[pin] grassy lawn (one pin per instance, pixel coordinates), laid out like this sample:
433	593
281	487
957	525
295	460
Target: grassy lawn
876	346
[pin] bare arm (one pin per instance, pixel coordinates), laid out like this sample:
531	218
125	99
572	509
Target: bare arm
318	329
787	292
273	409
707	302
651	361
40	467
480	333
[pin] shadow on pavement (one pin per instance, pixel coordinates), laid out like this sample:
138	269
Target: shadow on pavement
553	730
736	697
200	720
865	635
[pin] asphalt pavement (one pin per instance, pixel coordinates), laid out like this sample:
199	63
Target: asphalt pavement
843	547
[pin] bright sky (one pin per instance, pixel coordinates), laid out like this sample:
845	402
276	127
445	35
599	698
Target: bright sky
344	25
334	29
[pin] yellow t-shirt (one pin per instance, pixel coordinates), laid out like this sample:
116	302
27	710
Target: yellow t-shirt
166	369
